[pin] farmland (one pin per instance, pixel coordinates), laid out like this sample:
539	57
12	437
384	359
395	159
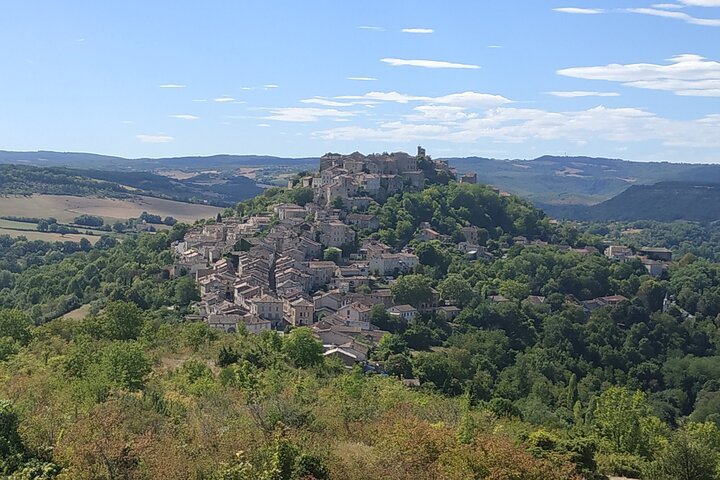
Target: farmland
65	208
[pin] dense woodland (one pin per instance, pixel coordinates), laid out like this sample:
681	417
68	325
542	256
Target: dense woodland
509	390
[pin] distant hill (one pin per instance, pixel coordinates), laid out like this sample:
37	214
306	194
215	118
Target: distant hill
214	189
105	162
579	180
664	201
545	180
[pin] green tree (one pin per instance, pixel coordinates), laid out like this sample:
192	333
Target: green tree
624	422
332	254
514	289
16	325
125	365
301	196
411	289
12	450
186	291
122	320
685	458
302	349
456	289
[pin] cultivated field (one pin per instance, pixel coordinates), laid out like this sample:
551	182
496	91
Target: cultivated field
66	208
49	236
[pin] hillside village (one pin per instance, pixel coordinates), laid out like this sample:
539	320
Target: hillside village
293	266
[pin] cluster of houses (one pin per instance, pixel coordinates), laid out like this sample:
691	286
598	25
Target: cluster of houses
271	271
656	260
302	265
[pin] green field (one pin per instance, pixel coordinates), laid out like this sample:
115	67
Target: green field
48	236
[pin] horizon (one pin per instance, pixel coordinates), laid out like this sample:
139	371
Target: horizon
346	153
504	80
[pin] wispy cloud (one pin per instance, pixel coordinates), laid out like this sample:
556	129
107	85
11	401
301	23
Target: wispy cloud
199	100
495	46
327	103
708	22
417	30
580	11
370	27
464	99
362	79
154	138
270	85
668	6
225	99
686	75
518	125
172	85
263	125
582	93
399	62
184	116
309	114
702	3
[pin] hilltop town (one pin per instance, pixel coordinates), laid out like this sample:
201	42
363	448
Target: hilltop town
314	264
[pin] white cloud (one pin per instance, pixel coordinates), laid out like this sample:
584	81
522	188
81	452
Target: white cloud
309	114
362	79
398	62
185	117
441	113
327	103
668	6
495	46
466	99
708	22
370	27
581	93
225	99
270	85
154	138
579	11
417	30
471	99
172	85
199	100
686	75
263	125
702	3
515	126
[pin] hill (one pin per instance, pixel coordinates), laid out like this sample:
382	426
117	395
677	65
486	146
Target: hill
579	180
554	180
211	188
664	201
105	162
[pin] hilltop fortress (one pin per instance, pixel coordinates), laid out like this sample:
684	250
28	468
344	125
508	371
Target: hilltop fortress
351	180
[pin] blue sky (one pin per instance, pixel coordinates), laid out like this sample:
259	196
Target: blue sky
506	79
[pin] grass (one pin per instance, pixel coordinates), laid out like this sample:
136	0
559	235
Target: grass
13	225
48	236
65	208
79	313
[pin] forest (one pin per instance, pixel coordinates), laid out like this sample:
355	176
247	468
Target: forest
526	383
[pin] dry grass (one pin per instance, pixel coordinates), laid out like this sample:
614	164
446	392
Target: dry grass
65	208
79	313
